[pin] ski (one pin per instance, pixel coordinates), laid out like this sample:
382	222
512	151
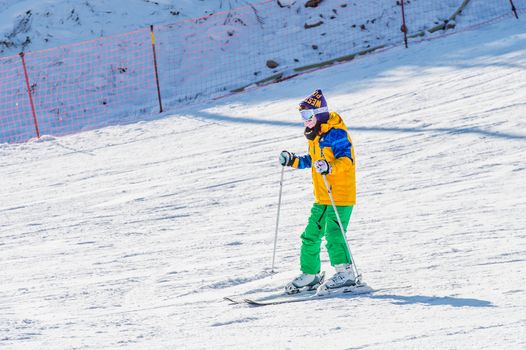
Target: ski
287	299
239	299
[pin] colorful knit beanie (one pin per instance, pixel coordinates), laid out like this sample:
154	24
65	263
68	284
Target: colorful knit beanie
317	102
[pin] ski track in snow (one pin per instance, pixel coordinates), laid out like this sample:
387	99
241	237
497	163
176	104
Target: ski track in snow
130	236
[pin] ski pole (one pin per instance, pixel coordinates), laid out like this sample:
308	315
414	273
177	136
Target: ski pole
358	276
277	218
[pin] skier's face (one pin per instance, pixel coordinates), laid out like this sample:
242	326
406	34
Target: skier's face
311	123
309	119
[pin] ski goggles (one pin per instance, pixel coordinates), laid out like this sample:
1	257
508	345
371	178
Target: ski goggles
307	114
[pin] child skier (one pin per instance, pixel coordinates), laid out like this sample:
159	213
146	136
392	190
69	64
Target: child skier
331	153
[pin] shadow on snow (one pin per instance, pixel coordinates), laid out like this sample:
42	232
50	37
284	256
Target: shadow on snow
433	301
451	131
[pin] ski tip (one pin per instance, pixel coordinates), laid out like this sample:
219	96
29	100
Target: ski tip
233	300
241	300
253	302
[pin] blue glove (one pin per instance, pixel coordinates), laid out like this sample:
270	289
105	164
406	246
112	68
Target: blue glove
322	167
287	158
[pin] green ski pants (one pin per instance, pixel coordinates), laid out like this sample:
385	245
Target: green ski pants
323	222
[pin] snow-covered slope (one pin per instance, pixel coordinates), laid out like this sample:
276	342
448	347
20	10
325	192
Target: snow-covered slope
31	25
130	236
111	81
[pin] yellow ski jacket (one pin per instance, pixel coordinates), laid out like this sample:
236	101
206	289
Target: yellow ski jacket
334	144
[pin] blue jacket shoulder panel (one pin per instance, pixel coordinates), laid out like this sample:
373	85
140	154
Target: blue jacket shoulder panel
338	141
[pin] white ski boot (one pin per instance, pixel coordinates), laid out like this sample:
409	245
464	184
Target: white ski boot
304	282
344	277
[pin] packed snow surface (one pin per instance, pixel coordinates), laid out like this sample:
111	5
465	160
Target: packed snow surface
130	236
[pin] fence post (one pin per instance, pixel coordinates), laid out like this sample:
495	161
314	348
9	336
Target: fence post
30	95
514	9
404	27
156	72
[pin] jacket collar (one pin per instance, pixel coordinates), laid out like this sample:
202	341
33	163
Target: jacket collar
335	121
